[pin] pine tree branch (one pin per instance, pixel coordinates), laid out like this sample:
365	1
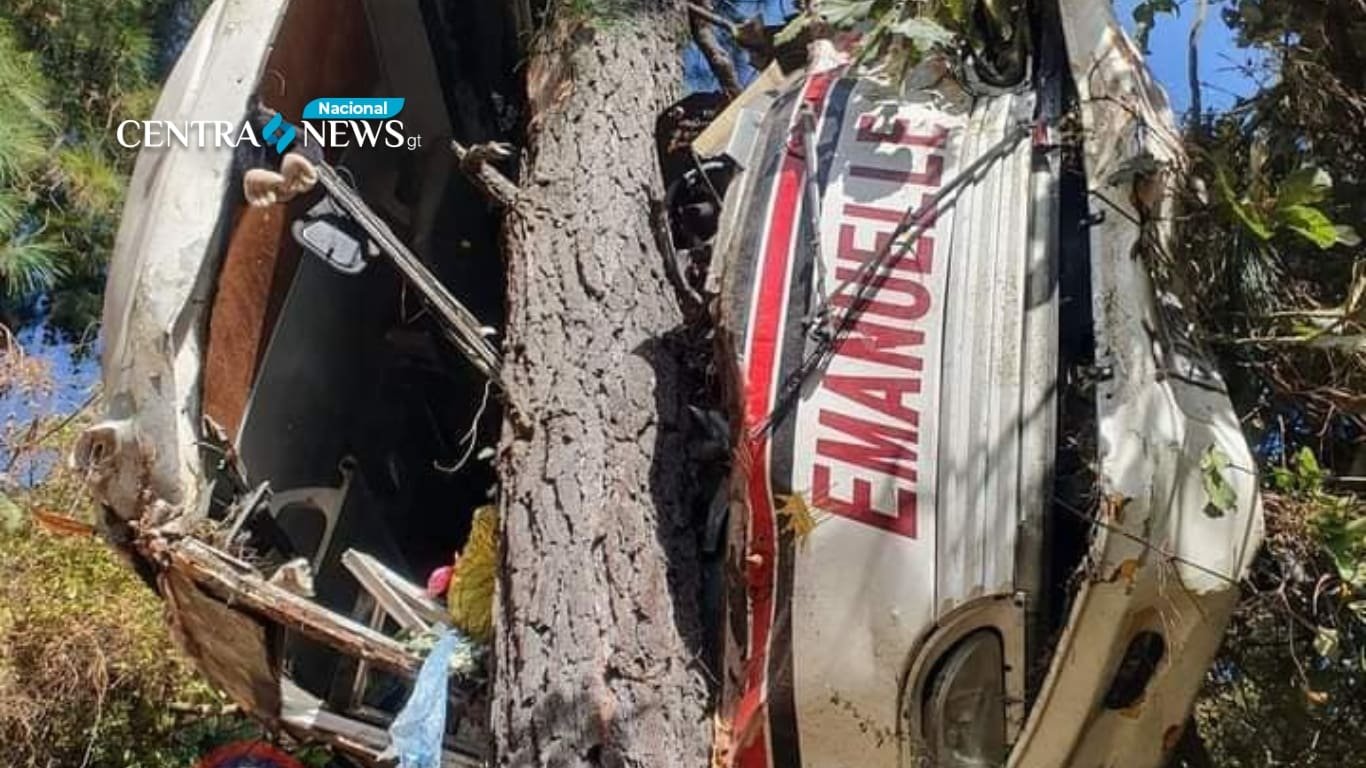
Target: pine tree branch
1193	64
701	19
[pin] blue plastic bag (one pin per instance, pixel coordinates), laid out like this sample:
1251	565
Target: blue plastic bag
415	735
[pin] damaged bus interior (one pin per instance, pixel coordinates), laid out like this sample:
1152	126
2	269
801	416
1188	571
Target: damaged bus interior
336	412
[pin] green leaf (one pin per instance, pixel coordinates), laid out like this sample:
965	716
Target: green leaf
1310	223
1342	550
1306	186
314	756
1251	218
11	210
1222	496
1308	470
793	29
1355	575
90	178
925	34
846	13
1326	643
26	124
1282	479
11	516
1358	609
1341	531
1145	14
29	267
956	11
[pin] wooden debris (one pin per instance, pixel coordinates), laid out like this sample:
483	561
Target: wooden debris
228	646
476	163
206	567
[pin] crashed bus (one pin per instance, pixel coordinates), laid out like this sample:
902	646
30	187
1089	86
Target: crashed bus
967	517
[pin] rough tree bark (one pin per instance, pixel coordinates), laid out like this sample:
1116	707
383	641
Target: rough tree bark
596	646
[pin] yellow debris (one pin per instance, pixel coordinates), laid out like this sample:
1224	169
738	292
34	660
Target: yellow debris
798	517
470	599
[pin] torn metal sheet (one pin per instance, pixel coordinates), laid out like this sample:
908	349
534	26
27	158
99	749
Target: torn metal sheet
152	352
223	615
228	646
227	619
1162	564
217	575
303	713
463	329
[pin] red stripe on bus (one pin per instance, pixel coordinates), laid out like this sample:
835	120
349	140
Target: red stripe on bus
765	343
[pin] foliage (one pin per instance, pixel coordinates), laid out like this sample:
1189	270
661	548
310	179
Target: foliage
69	72
89	675
1291	207
893	32
985	40
28	262
1222	497
594	14
1145	16
84	667
86	672
1277	280
1290	682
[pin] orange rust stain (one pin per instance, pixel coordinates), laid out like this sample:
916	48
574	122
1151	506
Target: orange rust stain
1171	737
1113	507
239	326
1126	572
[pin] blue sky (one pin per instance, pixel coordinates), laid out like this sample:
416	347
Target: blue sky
1220	59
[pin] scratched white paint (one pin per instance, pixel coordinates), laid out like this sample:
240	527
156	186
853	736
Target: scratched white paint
157	295
866	593
1182	563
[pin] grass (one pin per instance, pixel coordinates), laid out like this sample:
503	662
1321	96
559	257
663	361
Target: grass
89	676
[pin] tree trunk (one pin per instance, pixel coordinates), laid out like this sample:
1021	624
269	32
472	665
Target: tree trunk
598	635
